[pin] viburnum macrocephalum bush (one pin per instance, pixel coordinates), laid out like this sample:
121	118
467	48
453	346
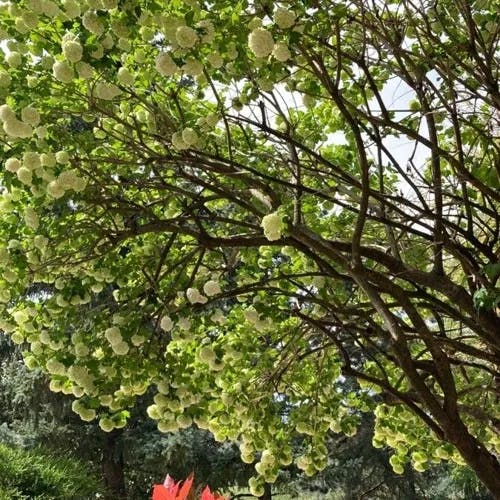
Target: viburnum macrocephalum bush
242	205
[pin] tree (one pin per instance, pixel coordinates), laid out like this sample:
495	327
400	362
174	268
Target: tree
242	204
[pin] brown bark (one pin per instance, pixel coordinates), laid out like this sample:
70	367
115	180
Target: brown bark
478	458
268	494
112	466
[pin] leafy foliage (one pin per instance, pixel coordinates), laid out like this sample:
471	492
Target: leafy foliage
36	475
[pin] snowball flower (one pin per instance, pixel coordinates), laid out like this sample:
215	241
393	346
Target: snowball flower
50	9
261	42
215	60
165	64
63	72
193	67
31	160
106	91
125	76
20	317
6	113
13	59
211	288
62	157
271	224
206	354
137	340
87	415
284	18
71	8
25	176
54	189
30	116
178	142
113	335
208	30
189	136
9	276
251	315
186	37
195	297
5	79
281	52
72	50
12	165
17	128
166	323
106	424
256	22
120	348
55	367
69	179
48	159
85	70
31	218
92	22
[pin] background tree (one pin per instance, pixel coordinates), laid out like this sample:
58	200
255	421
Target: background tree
226	179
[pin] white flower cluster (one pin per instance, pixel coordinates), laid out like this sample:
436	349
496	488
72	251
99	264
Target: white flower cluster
49	8
125	76
165	65
63	72
86	414
211	288
281	52
106	91
114	337
186	37
284	18
189	136
177	141
12	126
215	60
30	116
192	67
5	79
261	42
72	50
31	218
166	323
195	297
253	317
55	367
208	31
13	165
14	59
92	22
271	223
66	180
71	8
82	377
85	71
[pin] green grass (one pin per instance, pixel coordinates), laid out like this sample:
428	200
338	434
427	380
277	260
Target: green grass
35	475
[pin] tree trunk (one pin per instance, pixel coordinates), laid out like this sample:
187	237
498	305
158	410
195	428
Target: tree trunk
479	459
112	466
268	494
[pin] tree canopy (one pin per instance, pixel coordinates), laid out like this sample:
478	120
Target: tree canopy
244	205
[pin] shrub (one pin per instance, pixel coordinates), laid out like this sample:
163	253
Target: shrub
36	475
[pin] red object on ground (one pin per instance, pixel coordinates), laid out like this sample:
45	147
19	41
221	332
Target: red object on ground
208	495
170	490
